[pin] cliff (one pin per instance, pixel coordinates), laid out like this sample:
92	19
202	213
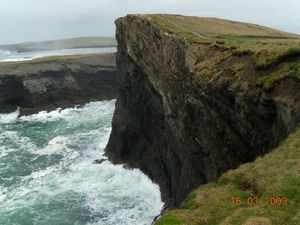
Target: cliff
52	82
265	192
200	96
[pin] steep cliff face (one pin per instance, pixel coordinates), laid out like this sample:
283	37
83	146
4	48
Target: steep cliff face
57	82
191	102
267	190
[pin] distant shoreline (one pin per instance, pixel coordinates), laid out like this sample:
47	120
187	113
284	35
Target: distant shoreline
57	82
41	50
52	58
54	45
8	56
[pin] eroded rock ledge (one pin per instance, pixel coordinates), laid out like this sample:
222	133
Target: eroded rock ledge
189	106
48	83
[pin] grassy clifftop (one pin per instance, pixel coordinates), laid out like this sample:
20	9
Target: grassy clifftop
274	180
269	187
217	94
267	48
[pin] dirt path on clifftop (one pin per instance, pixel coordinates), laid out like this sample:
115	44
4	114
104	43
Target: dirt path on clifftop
185	29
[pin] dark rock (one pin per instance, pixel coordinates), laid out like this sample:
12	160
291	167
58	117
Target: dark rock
99	161
45	84
184	128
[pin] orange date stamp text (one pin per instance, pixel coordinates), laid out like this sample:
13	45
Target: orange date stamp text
254	201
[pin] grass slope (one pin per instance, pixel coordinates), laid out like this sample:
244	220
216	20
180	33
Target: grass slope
277	174
267	47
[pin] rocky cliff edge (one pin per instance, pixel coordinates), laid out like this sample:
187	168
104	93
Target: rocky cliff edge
200	96
59	81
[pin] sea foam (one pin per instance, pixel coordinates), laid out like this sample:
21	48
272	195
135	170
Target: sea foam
10	56
6	118
49	171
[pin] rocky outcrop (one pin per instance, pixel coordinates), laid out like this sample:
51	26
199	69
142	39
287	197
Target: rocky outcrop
189	108
57	82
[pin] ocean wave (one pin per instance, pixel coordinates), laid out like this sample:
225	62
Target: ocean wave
10	140
6	55
9	117
61	172
7	52
63	114
40	173
2	193
55	146
44	116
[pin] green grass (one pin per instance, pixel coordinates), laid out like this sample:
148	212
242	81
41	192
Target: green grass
181	33
190	201
289	54
277	174
47	59
166	23
169	219
266	52
291	70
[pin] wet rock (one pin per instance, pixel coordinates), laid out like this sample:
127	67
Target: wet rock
45	84
183	116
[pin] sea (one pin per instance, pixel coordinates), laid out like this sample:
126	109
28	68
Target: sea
7	55
47	174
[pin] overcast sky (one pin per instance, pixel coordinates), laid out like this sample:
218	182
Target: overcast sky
32	20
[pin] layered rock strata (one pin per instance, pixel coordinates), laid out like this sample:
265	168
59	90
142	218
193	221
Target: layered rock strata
54	82
189	106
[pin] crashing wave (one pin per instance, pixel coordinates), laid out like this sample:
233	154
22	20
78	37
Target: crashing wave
9	117
10	56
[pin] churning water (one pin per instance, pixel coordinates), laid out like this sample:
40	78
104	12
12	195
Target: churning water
47	176
7	56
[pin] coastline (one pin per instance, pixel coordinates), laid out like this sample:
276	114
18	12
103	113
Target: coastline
58	81
192	108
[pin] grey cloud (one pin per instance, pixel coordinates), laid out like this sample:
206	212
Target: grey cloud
31	20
